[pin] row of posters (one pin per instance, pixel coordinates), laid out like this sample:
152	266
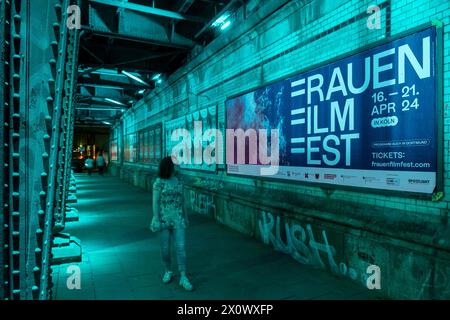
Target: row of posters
368	120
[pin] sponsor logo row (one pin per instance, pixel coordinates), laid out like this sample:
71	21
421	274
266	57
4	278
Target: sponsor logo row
391	181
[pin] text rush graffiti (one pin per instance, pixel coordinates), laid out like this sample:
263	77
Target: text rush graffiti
368	120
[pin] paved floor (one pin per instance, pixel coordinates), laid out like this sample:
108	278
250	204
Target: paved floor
121	258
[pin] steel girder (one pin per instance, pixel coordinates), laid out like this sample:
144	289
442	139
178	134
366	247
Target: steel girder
151	10
145	27
57	129
87	93
5	19
22	206
66	141
38	115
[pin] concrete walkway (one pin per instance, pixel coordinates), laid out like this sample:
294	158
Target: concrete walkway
121	258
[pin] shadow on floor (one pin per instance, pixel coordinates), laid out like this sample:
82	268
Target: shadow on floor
121	258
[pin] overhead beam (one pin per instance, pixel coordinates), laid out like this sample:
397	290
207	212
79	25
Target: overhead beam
123	67
183	5
91	98
158	42
92	54
149	57
133	56
120	81
150	10
130	49
102	102
99	108
86	69
113	85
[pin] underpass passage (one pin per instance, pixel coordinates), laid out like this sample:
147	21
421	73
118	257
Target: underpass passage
311	137
121	257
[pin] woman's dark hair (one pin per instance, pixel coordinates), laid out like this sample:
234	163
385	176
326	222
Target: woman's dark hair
166	168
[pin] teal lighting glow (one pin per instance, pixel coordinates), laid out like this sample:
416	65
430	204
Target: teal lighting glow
114	101
131	76
221	20
225	25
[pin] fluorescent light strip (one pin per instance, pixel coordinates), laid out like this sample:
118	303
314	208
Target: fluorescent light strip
98	109
225	25
114	101
129	75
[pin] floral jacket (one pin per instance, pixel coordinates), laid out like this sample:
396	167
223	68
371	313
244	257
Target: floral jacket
171	205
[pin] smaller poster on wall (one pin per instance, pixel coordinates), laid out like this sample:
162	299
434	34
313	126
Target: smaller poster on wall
189	139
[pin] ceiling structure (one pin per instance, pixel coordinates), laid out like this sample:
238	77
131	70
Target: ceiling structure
129	47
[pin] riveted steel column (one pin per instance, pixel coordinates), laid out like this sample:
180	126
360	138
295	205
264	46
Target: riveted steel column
64	171
21	214
56	130
5	32
73	58
34	137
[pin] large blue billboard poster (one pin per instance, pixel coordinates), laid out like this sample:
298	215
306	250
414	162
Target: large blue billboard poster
368	120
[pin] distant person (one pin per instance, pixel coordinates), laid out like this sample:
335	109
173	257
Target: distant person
170	218
100	164
89	164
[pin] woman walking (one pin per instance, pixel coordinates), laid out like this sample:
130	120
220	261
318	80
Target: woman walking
170	218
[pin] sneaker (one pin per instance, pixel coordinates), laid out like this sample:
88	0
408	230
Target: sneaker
184	282
167	277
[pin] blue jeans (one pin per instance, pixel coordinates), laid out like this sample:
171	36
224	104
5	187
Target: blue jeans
179	236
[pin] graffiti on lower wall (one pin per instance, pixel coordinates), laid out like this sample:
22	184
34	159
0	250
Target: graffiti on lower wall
436	284
202	203
234	211
302	245
208	184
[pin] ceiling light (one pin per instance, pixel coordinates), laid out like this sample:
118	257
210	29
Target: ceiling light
129	75
141	91
156	76
225	25
221	20
107	123
104	71
114	101
98	108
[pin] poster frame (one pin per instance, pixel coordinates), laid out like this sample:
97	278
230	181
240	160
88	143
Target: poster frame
193	169
439	114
